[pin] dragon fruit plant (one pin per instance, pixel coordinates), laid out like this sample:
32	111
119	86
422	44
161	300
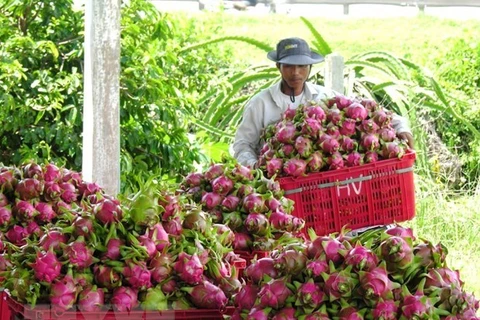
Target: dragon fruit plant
329	134
378	275
67	243
252	206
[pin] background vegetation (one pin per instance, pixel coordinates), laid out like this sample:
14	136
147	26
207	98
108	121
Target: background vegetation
185	79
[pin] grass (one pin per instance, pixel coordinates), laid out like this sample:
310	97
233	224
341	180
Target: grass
441	216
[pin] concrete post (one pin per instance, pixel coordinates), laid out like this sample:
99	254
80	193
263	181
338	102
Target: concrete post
101	112
334	79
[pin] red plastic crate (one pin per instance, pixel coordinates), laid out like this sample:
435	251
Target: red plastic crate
250	255
45	312
373	194
5	313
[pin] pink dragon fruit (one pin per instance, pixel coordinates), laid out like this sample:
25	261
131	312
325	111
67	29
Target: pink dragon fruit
315	162
303	146
28	188
397	252
106	277
356	111
392	150
241	173
274	294
400	231
350	313
79	254
137	275
68	192
274	167
259	268
46	267
381	117
63	293
45	212
369	142
124	299
211	199
387	134
213	171
370	157
416	306
51	191
375	283
194	179
315	268
329	144
361	258
254	202
222	185
91	299
310	295
339	284
52	239
289	114
295	167
17	234
51	172
108	211
334	116
5	215
333	130
206	295
348	127
189	268
311	127
256	223
286	132
368	126
353	159
385	310
24	210
369	104
259	314
160	267
315	112
335	161
287	313
287	150
246	297
443	277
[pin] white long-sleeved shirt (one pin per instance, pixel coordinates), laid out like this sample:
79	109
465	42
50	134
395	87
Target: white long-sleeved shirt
267	107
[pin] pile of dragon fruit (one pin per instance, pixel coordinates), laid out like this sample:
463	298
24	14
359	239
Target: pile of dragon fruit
328	135
241	198
383	274
66	243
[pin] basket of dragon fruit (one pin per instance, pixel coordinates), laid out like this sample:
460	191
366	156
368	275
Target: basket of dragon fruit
342	163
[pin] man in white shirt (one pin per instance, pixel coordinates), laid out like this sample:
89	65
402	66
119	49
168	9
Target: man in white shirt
294	60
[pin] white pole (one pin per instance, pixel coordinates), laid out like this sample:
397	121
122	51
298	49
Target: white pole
101	113
334	78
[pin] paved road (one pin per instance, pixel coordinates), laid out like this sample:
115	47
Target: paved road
336	10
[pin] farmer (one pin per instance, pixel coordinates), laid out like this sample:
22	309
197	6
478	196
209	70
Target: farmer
294	60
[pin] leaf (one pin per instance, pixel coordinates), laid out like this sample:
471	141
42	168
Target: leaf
320	44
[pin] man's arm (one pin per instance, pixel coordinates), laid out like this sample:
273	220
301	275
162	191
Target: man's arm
402	127
247	137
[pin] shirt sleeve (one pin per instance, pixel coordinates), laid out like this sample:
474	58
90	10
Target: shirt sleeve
400	124
247	138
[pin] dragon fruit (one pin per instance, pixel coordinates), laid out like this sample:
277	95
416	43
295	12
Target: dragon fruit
246	297
375	284
256	223
287	313
63	293
310	128
206	295
303	146
189	268
137	275
211	200
47	267
356	111
79	254
106	277
222	185
274	294
295	167
108	211
213	171
286	132
339	284
310	295
124	299
91	299
260	268
385	310
28	188
353	159
361	258
315	112
274	167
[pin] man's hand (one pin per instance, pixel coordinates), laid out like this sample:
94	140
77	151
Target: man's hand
408	137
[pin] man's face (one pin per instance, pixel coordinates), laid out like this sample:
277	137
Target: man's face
294	75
